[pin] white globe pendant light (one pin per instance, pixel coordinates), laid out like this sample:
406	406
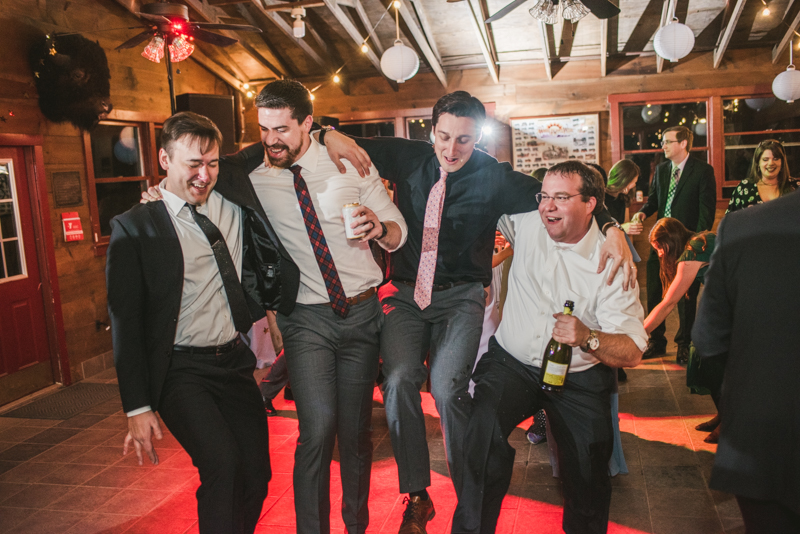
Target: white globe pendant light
400	62
786	85
674	41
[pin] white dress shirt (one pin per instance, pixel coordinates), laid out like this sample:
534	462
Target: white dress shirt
330	191
545	274
205	316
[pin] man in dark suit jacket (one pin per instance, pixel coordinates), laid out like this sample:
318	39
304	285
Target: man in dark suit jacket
749	312
176	312
683	188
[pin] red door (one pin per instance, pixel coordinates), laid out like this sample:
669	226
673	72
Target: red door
24	350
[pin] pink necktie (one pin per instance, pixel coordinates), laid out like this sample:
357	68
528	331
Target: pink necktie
430	243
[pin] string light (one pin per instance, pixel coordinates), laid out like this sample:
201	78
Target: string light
364	48
250	94
336	78
246	86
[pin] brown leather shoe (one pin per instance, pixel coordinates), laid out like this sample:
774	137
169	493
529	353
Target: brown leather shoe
417	515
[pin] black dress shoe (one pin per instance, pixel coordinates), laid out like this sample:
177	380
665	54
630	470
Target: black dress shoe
269	408
683	354
653	351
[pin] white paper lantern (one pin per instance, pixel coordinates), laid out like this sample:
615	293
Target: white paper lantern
674	41
786	85
400	62
701	129
759	103
651	114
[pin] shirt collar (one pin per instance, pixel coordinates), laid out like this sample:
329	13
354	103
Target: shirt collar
175	203
307	161
586	246
682	164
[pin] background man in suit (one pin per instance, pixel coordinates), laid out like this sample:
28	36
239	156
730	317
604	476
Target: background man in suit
177	306
683	188
753	319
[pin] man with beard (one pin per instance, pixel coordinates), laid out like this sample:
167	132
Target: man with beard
331	338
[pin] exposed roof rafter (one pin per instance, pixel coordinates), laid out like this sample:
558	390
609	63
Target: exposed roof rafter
485	39
727	33
546	52
786	40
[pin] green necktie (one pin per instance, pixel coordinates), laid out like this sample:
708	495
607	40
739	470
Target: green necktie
671	193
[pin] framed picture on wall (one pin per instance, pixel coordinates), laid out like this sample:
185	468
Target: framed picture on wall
544	141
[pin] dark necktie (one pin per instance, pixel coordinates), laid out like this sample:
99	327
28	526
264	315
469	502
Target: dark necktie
326	266
230	280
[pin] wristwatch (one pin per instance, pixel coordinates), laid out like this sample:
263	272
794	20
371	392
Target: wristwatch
593	343
322	132
383	234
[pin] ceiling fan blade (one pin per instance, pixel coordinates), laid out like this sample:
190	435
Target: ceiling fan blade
155	18
506	10
213	38
135	40
602	9
233	27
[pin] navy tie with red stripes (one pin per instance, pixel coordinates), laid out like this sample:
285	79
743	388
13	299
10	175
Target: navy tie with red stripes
320	246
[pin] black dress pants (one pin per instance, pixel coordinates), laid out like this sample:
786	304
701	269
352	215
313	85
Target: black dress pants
687	306
506	393
212	406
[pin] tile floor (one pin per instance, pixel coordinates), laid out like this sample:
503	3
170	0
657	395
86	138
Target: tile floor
70	476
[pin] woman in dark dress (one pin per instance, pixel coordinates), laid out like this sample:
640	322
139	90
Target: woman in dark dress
684	258
767	180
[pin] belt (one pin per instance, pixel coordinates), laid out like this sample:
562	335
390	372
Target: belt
435	287
361	297
215	350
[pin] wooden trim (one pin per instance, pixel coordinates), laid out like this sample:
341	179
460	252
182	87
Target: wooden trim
135	116
94	215
21	140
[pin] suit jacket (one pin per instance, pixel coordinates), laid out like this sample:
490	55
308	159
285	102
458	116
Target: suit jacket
749	311
144	277
695	200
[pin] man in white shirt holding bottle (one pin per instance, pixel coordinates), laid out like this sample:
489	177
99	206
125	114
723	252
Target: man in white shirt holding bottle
556	251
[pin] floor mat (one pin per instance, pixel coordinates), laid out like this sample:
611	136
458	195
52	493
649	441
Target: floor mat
66	402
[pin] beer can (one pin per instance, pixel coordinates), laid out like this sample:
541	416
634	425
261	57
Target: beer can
347	215
639	196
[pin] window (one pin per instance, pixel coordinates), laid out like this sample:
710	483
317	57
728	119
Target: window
419	129
643	125
121	163
368	129
13	260
748	121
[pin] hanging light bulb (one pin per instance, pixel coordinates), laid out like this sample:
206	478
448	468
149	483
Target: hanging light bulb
180	49
336	78
364	48
245	86
249	94
298	26
312	96
154	51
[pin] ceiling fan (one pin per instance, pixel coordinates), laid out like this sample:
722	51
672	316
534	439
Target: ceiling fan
602	9
171	35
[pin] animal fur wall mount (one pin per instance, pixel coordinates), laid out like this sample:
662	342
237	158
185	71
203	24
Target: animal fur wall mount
72	78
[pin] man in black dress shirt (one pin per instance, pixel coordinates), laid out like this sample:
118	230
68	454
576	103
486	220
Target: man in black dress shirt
446	326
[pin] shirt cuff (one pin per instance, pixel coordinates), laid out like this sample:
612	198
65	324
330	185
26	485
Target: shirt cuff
138	411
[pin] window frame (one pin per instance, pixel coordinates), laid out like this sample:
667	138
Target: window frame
714	115
147	124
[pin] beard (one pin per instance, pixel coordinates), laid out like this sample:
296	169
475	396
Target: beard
285	161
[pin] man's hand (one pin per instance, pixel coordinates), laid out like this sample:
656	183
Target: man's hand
365	222
634	227
141	430
152	194
570	330
638	216
340	146
616	247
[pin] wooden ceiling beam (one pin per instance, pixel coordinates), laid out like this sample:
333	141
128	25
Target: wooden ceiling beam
786	39
727	33
287	30
419	9
281	68
422	42
288	6
546	50
362	14
667	13
486	49
488	34
603	47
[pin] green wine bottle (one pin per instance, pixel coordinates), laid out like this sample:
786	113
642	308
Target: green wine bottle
556	360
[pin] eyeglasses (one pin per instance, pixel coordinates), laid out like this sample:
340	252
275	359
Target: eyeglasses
559	199
665	142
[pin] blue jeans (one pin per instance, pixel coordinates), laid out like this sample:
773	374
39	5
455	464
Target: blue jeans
333	363
450	329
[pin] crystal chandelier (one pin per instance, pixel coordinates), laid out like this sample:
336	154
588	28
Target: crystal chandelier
551	11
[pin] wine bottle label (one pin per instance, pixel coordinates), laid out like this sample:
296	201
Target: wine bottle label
555	373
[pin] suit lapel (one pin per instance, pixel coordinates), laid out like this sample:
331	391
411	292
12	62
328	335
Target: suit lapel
169	246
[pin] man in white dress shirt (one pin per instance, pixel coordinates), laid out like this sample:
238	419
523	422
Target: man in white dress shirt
556	251
177	306
331	348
